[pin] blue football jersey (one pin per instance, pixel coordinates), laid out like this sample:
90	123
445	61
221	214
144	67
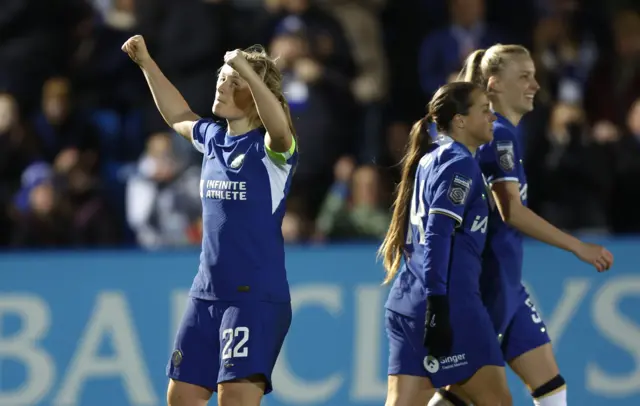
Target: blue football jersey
448	182
501	161
243	187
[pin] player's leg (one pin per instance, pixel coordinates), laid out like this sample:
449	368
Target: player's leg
487	387
183	394
193	367
528	351
407	381
242	392
452	395
408	390
251	337
474	372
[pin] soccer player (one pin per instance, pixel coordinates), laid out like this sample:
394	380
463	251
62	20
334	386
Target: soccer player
439	227
508	74
239	309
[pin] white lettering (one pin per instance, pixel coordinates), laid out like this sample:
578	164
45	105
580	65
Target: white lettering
524	191
619	330
573	294
417	214
480	224
291	388
224	190
22	346
367	385
111	318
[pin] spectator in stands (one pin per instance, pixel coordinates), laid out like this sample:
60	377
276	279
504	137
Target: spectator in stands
342	61
102	75
354	208
319	102
40	219
444	51
61	129
360	22
615	81
188	39
578	167
564	55
17	150
163	203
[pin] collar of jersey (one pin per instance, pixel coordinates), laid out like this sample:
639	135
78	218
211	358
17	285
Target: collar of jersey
505	122
444	139
231	139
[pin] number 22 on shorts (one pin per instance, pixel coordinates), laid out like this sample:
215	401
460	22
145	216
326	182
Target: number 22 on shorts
239	350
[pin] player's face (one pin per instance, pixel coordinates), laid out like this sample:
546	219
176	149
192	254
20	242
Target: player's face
479	121
518	85
233	97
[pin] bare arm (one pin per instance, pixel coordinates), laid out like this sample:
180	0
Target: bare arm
279	137
272	115
170	103
523	219
520	217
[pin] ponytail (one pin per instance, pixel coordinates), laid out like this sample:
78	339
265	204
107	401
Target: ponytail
472	69
392	247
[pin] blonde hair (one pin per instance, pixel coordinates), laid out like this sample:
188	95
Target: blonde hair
266	68
451	99
482	64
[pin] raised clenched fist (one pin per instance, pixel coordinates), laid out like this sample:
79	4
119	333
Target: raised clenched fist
136	48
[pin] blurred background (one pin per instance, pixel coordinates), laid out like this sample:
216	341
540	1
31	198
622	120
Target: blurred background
87	162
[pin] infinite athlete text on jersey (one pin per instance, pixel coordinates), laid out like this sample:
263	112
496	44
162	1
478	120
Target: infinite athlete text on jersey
223	189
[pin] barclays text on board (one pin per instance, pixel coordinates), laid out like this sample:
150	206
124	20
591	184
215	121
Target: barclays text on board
95	329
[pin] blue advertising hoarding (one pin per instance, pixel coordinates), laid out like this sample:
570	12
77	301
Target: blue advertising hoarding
96	328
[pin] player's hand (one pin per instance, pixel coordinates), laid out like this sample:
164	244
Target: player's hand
438	337
238	62
596	255
136	48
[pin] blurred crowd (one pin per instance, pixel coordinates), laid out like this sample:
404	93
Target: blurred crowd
86	160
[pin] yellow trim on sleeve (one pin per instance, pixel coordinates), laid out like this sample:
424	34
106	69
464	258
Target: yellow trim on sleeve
281	157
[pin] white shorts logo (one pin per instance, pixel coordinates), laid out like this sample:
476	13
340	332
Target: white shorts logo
431	364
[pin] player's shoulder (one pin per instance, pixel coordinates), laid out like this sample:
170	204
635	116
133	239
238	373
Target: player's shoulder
454	154
503	132
452	158
208	124
207	128
504	138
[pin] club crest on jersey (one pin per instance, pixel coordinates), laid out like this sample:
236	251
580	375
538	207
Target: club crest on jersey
506	155
459	189
237	161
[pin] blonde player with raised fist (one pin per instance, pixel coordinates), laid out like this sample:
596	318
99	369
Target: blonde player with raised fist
239	310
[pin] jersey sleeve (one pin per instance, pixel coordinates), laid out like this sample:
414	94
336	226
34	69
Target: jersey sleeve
283	158
498	158
450	190
449	197
203	130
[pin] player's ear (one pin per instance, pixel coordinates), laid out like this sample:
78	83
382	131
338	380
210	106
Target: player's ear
458	121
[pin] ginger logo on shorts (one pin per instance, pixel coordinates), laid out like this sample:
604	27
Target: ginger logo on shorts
176	358
433	365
